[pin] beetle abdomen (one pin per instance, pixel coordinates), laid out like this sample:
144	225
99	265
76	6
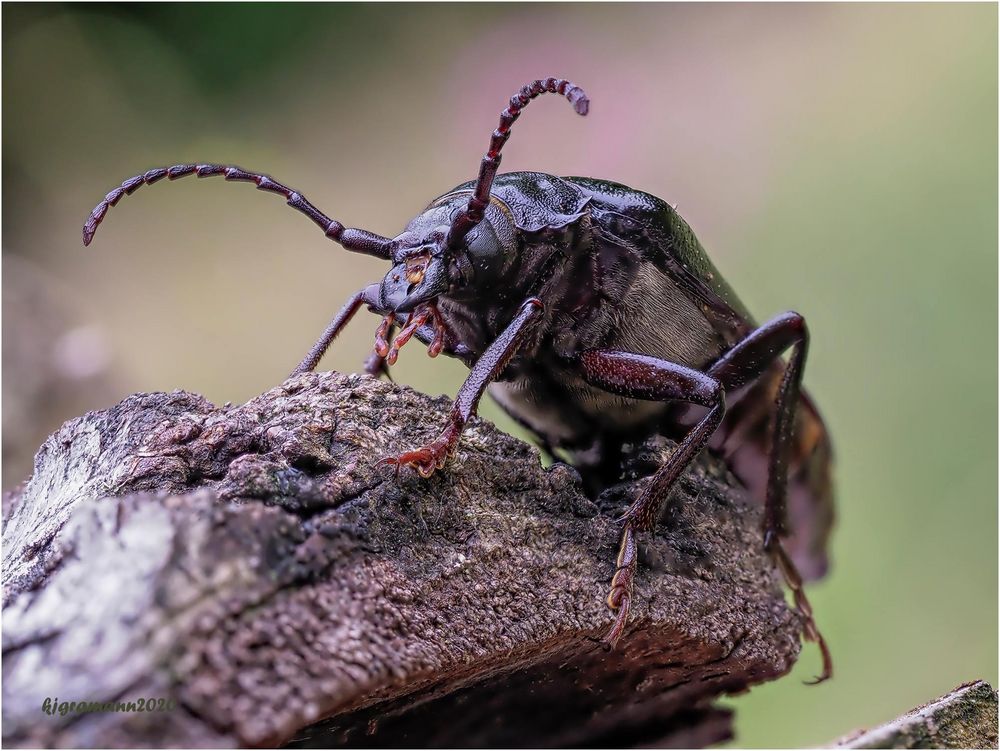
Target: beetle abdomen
655	318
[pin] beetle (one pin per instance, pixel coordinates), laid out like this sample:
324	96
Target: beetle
593	315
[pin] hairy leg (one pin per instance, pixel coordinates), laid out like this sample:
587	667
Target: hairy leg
644	377
743	363
368	295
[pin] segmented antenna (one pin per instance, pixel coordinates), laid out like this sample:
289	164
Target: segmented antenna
476	208
357	240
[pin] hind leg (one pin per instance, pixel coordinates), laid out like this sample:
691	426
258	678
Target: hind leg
743	363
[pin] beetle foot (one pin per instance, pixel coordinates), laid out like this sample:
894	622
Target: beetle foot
620	596
430	458
810	631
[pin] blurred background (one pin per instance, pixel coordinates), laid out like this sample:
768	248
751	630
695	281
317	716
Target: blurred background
837	160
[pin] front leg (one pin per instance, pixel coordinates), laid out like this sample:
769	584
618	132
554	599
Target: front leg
433	456
367	296
644	377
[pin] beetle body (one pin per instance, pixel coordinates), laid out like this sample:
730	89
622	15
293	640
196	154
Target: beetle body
619	269
594	317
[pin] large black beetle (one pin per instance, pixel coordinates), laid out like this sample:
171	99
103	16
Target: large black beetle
592	314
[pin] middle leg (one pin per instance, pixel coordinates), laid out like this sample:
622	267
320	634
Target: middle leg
644	377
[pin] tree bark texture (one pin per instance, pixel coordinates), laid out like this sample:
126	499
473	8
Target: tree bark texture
258	568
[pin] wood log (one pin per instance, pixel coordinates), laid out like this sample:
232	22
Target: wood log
258	571
963	718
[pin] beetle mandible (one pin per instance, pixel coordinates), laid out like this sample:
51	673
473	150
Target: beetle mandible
592	314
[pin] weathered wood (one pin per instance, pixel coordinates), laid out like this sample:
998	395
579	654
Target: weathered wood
963	718
253	564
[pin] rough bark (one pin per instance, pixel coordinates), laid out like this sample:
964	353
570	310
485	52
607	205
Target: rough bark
963	718
254	565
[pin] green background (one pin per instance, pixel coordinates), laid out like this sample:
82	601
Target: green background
836	160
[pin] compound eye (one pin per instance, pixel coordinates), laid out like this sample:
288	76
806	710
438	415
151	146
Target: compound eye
416	268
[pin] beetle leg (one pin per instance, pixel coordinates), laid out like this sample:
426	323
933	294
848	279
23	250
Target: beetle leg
620	596
367	295
746	361
433	456
644	377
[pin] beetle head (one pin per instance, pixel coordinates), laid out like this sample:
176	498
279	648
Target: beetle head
462	245
462	241
425	268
